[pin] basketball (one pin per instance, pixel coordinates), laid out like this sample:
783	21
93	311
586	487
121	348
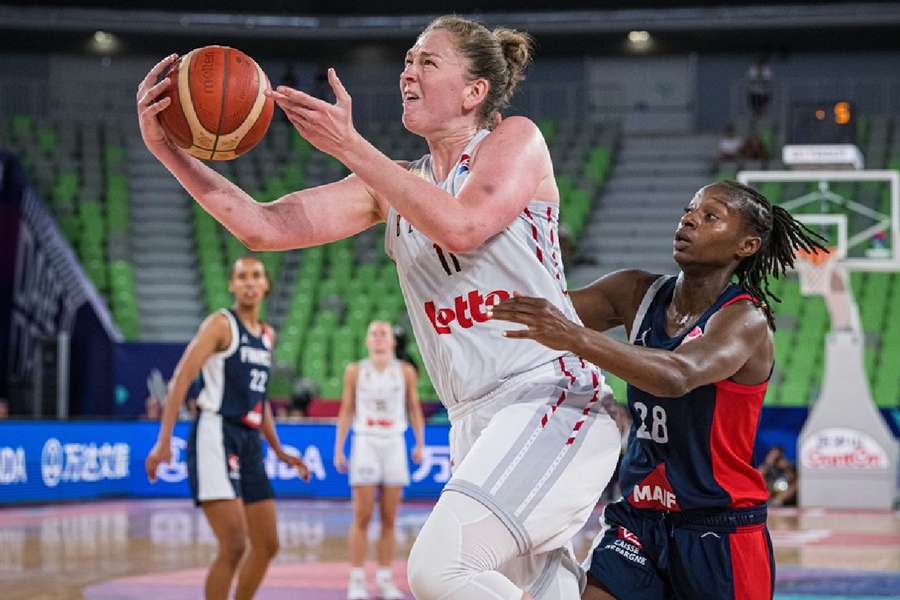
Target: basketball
218	108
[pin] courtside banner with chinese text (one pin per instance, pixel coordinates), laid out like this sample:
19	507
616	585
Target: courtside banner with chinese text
48	461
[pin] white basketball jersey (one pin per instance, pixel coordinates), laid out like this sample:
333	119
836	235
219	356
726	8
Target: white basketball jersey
447	294
380	399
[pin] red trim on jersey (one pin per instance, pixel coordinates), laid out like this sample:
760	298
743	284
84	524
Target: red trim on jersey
750	563
731	437
549	413
566	372
534	235
266	336
740	297
586	410
742	388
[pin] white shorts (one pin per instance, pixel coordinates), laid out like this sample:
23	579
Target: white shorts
538	452
378	460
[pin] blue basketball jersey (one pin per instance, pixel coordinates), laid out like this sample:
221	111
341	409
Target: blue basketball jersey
692	452
235	379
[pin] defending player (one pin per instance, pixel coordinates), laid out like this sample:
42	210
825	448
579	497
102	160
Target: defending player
379	392
225	462
467	224
692	521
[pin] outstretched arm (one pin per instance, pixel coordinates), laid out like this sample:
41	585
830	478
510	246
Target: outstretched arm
213	336
510	165
731	338
305	218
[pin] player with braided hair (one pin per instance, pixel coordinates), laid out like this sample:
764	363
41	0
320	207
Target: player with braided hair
691	523
782	236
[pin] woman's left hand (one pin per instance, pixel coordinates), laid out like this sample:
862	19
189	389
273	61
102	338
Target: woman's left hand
328	127
545	323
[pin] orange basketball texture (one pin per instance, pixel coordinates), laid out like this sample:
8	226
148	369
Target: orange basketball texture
218	108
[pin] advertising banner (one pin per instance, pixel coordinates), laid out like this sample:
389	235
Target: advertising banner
45	292
50	461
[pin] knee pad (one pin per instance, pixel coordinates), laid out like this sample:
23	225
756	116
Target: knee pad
458	551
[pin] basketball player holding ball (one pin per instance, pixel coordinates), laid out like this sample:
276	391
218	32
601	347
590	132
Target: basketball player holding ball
225	461
467	224
379	392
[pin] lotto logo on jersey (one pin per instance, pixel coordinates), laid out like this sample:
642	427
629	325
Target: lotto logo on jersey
466	311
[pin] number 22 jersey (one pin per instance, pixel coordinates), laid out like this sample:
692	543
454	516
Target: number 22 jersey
234	380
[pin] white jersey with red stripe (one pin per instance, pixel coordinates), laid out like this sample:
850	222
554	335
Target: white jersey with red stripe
447	294
380	399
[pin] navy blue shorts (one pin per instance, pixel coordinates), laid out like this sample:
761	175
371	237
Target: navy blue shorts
225	461
654	555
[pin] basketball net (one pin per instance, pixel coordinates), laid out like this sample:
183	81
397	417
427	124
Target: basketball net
821	274
815	269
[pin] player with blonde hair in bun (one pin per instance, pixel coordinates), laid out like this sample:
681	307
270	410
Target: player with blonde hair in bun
468	224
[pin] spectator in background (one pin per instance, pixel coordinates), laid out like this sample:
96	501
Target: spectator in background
4	409
759	85
157	388
753	148
729	148
303	392
780	475
152	408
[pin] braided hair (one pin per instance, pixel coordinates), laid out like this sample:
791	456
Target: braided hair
782	236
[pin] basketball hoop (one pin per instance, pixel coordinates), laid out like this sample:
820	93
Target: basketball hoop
814	269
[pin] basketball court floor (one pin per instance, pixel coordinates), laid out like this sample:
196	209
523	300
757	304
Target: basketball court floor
159	549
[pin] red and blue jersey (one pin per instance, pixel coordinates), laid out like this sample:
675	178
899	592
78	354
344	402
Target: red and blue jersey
692	452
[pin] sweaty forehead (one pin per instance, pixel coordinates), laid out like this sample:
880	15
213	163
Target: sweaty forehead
437	42
716	194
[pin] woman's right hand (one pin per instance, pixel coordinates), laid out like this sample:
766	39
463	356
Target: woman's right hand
149	105
340	461
161	453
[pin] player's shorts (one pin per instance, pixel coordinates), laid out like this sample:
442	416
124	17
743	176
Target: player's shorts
379	460
225	461
537	451
652	555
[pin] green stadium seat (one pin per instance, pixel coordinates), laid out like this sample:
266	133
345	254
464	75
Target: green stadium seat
795	391
114	156
773	392
22	127
47	140
331	387
548	129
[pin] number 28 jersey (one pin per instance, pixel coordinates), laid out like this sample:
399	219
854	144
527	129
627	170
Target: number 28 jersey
447	294
234	380
692	452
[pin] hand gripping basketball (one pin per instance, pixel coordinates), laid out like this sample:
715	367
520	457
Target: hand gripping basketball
149	105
